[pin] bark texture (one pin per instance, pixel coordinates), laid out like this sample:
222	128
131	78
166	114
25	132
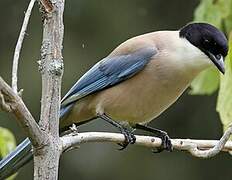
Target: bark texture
46	158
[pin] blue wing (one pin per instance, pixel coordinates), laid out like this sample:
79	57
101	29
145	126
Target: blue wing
108	72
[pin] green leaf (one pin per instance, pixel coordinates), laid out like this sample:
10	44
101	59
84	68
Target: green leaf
224	103
224	6
7	144
209	12
228	18
213	11
205	83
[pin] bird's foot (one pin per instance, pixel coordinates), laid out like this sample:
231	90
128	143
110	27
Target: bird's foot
166	143
129	138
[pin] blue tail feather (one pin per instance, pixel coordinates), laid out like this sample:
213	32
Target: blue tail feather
16	159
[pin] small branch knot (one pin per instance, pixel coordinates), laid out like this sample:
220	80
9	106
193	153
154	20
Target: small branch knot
56	67
74	129
20	93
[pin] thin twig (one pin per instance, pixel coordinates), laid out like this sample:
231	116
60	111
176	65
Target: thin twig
11	102
195	147
19	46
215	149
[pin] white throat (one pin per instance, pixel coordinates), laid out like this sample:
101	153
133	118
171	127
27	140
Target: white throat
193	56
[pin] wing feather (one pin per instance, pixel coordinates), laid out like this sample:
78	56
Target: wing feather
108	72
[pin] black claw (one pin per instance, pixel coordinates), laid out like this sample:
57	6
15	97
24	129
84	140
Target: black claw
129	139
166	141
129	136
123	146
133	138
166	144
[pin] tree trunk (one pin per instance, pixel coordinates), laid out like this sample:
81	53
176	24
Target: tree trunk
46	158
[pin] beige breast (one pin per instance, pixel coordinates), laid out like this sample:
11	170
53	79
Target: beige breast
144	96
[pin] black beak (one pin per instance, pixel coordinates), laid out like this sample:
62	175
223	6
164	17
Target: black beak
218	62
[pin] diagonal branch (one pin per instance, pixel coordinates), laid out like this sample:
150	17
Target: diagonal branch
11	102
19	46
195	147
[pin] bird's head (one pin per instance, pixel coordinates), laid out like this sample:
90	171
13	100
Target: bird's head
211	41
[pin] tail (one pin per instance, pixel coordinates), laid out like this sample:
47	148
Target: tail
21	155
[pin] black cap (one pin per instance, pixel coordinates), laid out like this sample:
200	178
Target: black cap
209	40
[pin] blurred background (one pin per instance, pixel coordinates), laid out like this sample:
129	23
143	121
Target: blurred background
92	30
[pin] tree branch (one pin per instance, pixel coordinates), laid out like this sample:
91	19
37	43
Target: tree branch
46	160
195	147
51	68
19	46
215	149
11	102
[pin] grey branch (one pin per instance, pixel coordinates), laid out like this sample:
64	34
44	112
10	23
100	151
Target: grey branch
46	160
19	46
197	148
11	102
220	145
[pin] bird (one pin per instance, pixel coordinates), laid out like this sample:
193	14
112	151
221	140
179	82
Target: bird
135	83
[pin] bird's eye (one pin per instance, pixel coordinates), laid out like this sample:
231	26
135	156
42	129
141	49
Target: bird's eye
218	56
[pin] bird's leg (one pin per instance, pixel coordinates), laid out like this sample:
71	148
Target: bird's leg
166	142
129	137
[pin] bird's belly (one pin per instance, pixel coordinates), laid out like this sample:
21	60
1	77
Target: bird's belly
139	108
139	102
